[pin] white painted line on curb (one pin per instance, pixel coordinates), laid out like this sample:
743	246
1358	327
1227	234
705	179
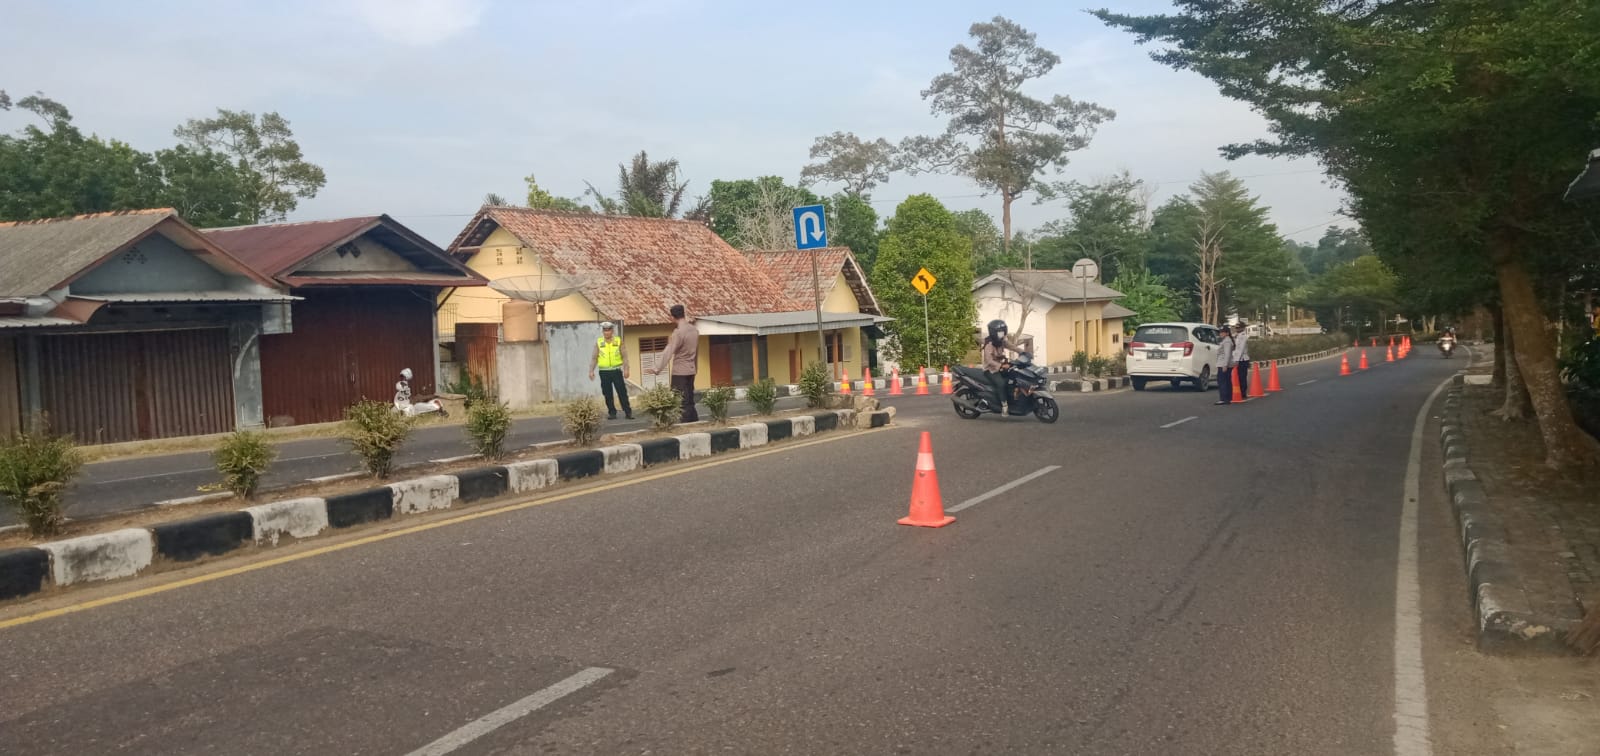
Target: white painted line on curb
979	499
201	499
1410	679
1307	383
332	478
1181	422
498	718
453	460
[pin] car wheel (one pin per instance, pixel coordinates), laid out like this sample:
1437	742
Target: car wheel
1138	384
1203	383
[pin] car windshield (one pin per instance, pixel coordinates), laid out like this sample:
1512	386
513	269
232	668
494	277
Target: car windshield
1161	334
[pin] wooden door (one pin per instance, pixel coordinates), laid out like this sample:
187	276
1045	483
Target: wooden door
721	363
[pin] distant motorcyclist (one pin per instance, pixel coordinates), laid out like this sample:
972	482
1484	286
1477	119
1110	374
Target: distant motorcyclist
995	346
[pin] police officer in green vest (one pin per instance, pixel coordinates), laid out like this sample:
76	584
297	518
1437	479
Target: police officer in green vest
611	360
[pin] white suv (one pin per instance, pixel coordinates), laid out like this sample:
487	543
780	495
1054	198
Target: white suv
1176	352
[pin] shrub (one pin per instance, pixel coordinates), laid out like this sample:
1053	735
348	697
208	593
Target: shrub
470	387
1098	366
488	422
375	432
663	404
581	420
1080	361
816	384
716	399
35	470
763	395
242	458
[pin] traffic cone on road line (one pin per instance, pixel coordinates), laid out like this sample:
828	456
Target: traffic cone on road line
944	382
927	506
1344	364
1255	382
1238	384
1363	364
894	386
1272	378
922	382
866	384
844	383
1390	356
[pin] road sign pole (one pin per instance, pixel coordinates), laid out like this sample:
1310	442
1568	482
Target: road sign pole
927	339
816	299
811	233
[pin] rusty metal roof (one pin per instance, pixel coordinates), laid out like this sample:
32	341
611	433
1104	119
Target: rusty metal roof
636	268
280	249
43	255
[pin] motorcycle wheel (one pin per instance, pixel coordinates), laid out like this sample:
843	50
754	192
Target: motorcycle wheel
1047	411
965	413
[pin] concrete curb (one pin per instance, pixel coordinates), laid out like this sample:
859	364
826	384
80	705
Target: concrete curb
130	551
1507	622
1091	385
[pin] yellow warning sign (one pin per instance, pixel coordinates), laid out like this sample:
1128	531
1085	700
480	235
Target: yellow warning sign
923	281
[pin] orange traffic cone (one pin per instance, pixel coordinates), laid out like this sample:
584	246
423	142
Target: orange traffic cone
1389	357
1356	344
866	384
1344	364
1272	378
1363	364
922	382
1238	384
927	506
894	387
944	382
844	383
1255	382
1391	340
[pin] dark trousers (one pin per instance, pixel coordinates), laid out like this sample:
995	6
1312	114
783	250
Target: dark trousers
611	380
998	381
1225	385
684	385
1244	378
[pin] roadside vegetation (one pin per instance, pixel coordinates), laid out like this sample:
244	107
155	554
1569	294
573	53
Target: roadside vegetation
36	467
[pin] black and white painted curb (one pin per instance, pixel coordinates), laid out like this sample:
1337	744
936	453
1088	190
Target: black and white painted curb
1507	621
1090	385
130	551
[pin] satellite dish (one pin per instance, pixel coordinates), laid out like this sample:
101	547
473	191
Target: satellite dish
538	288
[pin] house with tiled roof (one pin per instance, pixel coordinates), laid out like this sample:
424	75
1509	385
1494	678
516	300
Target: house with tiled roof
367	289
131	325
555	275
1064	315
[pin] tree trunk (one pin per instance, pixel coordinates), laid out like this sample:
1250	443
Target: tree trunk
1501	356
1005	220
1517	404
1566	446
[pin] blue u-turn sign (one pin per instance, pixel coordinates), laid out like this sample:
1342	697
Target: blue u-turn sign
810	227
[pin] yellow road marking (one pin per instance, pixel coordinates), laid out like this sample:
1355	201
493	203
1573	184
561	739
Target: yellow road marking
409	530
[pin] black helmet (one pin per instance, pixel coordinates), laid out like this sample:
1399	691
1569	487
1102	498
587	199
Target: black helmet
997	331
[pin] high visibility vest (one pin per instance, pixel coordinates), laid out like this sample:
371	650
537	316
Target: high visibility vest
610	354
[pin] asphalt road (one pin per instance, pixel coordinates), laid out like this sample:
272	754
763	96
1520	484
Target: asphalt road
121	485
1188	579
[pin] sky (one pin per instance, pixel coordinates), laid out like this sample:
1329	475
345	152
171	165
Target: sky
418	108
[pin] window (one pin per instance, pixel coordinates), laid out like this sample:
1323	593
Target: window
1162	334
833	347
1116	338
658	344
499	257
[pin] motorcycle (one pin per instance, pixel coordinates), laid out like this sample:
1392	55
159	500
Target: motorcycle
1447	346
974	396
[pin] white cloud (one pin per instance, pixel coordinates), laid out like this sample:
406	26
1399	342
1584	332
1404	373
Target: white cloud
418	22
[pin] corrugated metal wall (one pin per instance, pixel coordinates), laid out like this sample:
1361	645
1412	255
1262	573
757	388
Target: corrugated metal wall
106	388
11	420
571	347
348	344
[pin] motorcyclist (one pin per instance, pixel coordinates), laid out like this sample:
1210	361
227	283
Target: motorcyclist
995	346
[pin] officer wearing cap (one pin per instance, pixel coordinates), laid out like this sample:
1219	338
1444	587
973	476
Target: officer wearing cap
611	361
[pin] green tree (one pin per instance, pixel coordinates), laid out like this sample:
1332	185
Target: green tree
645	188
853	223
999	137
205	187
1360	295
923	234
1482	105
842	157
266	156
1337	245
756	213
988	249
539	199
1106	224
1151	300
